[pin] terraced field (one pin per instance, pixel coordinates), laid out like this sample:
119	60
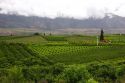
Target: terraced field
82	40
92	40
16	54
79	54
55	38
61	59
64	40
24	39
116	38
28	40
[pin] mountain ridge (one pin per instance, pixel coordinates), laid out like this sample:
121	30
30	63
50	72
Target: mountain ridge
45	23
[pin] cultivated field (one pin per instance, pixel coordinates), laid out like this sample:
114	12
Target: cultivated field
62	59
79	54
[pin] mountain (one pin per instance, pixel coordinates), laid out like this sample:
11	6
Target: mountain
110	21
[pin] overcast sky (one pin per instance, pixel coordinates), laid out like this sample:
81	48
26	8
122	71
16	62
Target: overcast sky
70	8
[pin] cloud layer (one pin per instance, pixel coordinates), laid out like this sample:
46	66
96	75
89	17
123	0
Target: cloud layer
66	8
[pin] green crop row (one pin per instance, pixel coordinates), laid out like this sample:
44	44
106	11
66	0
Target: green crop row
79	54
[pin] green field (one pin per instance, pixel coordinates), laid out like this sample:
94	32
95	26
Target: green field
55	38
64	39
62	59
27	40
15	54
80	54
82	40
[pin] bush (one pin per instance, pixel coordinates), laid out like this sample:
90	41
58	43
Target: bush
76	75
15	75
120	71
57	69
102	72
91	80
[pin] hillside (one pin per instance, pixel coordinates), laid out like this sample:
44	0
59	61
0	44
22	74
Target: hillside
18	54
57	61
16	21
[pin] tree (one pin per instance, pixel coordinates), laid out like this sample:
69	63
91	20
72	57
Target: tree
15	75
76	75
102	35
103	72
36	33
50	34
44	34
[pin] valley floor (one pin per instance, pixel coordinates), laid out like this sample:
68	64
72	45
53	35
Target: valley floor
62	59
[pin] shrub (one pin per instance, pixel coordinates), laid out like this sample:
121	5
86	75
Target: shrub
76	75
102	72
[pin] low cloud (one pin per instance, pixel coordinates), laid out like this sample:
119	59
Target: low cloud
65	8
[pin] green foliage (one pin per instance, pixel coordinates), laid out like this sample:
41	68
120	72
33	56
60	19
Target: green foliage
18	58
19	54
56	69
91	81
103	72
34	61
120	71
34	73
3	74
76	75
15	75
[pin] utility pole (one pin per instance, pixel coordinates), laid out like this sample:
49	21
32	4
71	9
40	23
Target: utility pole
120	37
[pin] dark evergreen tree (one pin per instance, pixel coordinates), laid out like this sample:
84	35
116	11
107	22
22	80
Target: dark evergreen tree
50	34
36	33
102	35
44	34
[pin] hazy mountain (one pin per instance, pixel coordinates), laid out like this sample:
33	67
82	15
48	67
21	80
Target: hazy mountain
17	21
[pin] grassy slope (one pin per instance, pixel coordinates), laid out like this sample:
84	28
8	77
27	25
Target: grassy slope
70	54
24	39
18	54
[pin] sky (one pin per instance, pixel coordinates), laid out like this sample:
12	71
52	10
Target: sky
64	8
